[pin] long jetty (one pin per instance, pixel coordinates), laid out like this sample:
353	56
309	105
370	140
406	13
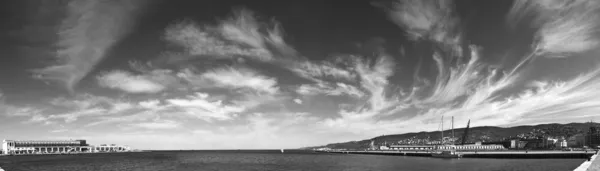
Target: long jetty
592	164
484	154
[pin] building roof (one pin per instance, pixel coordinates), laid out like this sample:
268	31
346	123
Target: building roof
43	140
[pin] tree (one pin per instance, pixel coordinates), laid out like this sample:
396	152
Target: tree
569	131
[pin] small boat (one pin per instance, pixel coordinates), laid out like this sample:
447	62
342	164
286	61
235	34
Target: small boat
282	150
446	154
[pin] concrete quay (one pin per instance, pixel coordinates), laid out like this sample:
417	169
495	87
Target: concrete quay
485	154
592	165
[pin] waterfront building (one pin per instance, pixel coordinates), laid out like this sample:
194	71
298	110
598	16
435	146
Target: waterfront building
470	147
56	147
592	138
412	147
44	146
466	147
576	141
323	149
517	144
563	143
111	148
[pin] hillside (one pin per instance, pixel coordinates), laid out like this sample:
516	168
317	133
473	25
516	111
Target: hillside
484	134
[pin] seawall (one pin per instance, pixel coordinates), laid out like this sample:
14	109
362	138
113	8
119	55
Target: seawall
485	154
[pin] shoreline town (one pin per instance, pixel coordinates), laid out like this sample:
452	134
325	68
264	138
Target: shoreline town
585	147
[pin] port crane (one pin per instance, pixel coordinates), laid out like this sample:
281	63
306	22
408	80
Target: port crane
465	135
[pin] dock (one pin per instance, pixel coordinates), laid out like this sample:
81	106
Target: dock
485	154
591	165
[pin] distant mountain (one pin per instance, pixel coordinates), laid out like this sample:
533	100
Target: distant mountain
484	134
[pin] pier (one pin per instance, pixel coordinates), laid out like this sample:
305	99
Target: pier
592	164
485	154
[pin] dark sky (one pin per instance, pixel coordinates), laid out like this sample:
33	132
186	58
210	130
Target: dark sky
317	29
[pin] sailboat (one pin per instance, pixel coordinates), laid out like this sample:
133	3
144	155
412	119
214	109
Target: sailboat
444	152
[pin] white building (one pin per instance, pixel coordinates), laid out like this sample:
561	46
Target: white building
44	146
111	148
477	147
467	147
562	143
56	147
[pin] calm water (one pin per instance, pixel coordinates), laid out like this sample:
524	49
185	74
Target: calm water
271	160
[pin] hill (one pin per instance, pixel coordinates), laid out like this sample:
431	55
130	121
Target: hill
483	134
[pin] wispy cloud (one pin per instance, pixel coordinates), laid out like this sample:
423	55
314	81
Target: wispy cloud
241	78
241	35
128	82
425	19
337	89
363	118
11	110
87	105
33	114
38	118
59	130
330	77
312	70
200	41
473	89
199	106
565	26
473	79
164	124
558	101
73	116
86	34
140	116
150	104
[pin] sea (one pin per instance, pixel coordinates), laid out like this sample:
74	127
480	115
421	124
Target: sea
267	160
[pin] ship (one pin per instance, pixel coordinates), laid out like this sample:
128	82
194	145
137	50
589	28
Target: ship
446	151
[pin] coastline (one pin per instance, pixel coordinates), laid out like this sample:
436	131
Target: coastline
483	154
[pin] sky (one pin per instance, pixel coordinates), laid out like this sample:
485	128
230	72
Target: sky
268	74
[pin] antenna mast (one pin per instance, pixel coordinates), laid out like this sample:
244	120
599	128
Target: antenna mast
442	141
452	130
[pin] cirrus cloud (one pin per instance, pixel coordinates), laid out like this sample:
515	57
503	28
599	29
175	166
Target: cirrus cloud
128	82
86	35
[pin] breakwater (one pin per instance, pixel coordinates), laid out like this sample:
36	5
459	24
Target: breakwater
593	163
484	154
